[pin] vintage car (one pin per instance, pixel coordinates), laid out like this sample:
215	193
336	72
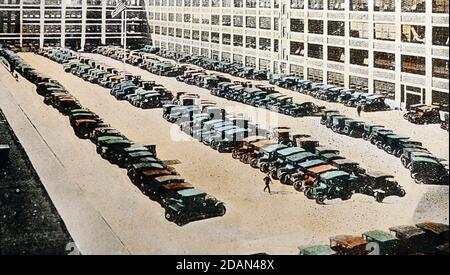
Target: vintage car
374	103
280	159
266	155
380	186
412	240
102	132
83	127
386	244
427	170
295	167
163	185
112	149
348	166
231	139
408	153
349	245
424	115
242	148
338	123
437	233
325	114
311	173
331	185
369	130
192	204
353	128
317	250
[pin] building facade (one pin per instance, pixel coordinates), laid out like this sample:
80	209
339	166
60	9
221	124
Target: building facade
70	23
398	48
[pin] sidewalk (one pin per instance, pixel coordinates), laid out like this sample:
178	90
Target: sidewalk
90	231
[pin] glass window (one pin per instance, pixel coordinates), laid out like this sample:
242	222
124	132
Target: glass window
359	29
215	37
315	26
440	36
187	34
315	51
264	23
297	48
195	35
384	60
250	4
384	5
215	3
413	34
265	4
238	40
336	54
226	39
336	28
384	88
315	4
359	57
250	42
440	6
359	5
238	21
205	36
297	25
440	68
226	20
413	64
385	31
238	3
226	3
336	5
297	4
413	5
265	44
438	97
215	19
250	21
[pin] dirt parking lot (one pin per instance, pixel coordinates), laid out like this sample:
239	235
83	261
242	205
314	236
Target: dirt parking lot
255	221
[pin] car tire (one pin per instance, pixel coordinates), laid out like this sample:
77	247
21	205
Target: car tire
298	185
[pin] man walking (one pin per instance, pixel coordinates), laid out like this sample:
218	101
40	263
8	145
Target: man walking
267	182
359	109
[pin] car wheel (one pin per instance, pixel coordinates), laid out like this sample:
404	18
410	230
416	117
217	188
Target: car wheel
379	197
263	167
254	163
234	154
274	175
169	216
320	200
221	210
298	185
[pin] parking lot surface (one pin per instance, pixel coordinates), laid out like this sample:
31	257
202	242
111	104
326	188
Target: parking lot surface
255	221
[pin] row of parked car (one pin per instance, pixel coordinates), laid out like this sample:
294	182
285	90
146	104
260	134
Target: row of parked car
427	238
425	168
4	146
330	93
182	202
191	120
123	85
321	173
425	114
261	96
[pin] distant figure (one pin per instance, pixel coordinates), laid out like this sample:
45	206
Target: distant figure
267	182
359	109
16	76
11	67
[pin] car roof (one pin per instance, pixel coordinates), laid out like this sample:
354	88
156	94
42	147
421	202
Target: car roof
190	192
290	151
273	147
379	235
311	163
169	178
334	174
300	156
